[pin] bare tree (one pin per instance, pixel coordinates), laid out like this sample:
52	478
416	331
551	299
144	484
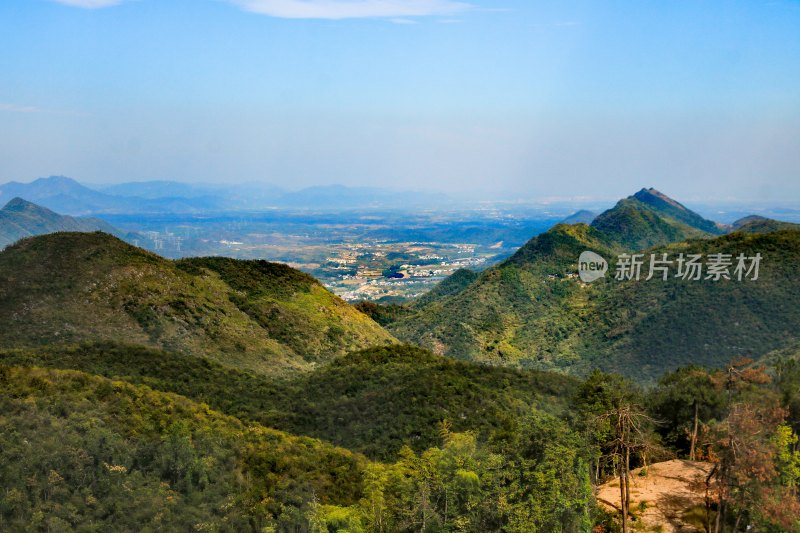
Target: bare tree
631	436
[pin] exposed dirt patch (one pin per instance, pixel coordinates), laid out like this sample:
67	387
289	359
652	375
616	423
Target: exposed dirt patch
673	492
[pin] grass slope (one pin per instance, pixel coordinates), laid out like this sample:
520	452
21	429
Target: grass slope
291	307
74	287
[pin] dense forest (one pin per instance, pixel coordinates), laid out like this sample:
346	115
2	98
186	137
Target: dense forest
111	445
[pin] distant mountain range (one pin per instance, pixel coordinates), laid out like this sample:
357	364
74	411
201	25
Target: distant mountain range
532	311
65	195
154	190
20	218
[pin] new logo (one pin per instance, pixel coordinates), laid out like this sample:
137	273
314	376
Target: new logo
591	266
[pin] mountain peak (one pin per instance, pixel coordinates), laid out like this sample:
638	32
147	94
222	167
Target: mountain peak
56	179
759	224
18	204
748	220
58	184
651	217
655	197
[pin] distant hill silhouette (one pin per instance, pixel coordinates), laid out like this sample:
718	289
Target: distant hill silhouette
583	216
65	195
759	224
21	218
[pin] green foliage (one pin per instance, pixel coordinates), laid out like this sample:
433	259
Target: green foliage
89	454
766	225
787	383
596	397
679	395
376	400
522	312
664	325
539	484
383	314
451	285
255	278
82	452
673	210
245	314
465	447
373	401
753	451
635	225
788	460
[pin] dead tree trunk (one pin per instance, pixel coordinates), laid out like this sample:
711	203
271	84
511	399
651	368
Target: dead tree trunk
694	432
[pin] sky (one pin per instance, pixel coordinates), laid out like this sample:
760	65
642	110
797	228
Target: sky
522	98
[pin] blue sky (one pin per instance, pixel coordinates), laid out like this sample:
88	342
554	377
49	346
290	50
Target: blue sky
569	98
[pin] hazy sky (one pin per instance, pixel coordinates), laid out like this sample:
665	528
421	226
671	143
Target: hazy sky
699	98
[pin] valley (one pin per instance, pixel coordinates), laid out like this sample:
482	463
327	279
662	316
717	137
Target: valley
373	254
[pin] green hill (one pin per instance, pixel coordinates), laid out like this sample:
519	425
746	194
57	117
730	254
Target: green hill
758	224
582	216
533	311
644	327
373	401
74	287
376	400
649	218
520	312
20	219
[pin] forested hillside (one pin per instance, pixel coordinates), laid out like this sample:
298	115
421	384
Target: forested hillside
374	401
68	287
533	311
83	453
